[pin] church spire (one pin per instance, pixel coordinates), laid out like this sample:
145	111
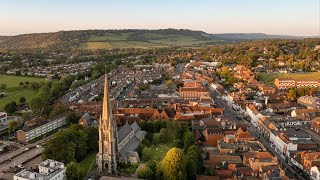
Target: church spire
105	105
108	141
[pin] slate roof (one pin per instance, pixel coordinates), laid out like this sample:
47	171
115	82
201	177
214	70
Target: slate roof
135	126
131	145
123	132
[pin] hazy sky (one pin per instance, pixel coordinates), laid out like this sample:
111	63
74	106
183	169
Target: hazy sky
294	17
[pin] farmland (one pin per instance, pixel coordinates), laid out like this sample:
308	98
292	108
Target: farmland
130	40
14	91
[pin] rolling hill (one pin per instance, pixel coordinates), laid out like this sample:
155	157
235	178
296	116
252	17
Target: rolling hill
107	39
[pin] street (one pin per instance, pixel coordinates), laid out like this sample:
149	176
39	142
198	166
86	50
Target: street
231	114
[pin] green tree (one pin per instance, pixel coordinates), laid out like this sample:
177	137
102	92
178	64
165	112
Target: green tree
72	118
188	140
168	83
60	149
58	109
36	105
93	138
10	107
292	94
145	173
177	143
146	154
35	85
22	99
12	125
166	135
73	171
173	165
55	89
156	138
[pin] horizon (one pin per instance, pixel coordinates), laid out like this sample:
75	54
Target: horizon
286	17
311	36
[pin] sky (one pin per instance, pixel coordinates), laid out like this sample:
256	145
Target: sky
283	17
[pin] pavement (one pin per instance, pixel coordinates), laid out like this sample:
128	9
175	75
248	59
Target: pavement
21	156
231	115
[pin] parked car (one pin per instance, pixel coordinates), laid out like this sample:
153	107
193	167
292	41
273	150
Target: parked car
21	166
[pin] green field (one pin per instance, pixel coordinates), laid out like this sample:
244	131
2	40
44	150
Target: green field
14	91
88	163
270	77
128	40
158	152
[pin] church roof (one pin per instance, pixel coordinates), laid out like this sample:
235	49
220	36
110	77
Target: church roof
131	145
135	126
123	132
86	116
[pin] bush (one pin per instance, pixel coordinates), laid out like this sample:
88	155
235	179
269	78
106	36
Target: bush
156	138
145	173
146	154
177	143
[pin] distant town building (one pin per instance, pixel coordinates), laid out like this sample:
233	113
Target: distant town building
48	170
286	83
309	101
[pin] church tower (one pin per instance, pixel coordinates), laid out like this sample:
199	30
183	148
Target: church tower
108	142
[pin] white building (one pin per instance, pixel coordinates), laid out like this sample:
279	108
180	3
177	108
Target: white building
3	117
48	170
40	128
254	115
315	173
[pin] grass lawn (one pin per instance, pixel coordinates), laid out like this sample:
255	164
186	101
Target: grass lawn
270	77
88	163
14	90
158	152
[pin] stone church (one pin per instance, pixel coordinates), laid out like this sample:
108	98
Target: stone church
116	146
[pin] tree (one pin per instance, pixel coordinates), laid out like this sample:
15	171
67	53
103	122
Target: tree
21	83
188	140
292	94
194	162
166	135
145	173
36	105
156	138
72	118
55	89
177	143
168	83
173	165
22	99
10	107
73	171
93	139
12	125
58	109
60	149
146	154
35	85
3	86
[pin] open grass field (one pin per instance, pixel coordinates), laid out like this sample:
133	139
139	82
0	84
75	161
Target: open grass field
14	91
159	151
87	164
147	40
270	77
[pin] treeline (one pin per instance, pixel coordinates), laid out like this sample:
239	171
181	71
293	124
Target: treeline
71	146
182	161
